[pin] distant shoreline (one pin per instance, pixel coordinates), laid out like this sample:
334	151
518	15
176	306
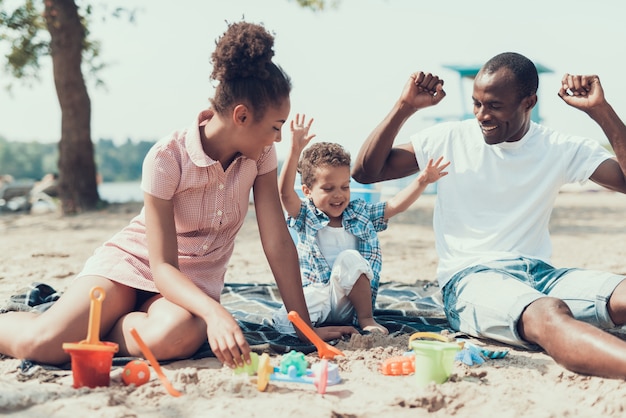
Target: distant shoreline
121	192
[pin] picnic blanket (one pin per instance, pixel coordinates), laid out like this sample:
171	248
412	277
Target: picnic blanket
401	308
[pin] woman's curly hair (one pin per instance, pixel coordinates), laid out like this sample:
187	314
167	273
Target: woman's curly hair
321	154
243	68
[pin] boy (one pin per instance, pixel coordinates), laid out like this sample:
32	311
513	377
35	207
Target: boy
339	250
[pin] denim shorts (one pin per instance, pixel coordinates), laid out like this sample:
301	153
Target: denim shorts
487	300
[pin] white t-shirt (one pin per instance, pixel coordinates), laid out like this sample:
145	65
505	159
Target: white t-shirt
332	241
496	201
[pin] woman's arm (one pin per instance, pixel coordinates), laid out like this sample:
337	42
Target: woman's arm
224	335
282	255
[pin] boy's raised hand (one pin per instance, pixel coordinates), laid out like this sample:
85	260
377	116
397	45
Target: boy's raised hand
434	171
300	136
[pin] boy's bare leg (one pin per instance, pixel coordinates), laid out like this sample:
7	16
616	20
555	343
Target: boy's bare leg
361	299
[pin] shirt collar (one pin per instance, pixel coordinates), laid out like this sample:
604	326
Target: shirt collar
193	142
348	213
523	140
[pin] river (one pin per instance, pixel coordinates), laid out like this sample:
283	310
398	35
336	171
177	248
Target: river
130	191
121	192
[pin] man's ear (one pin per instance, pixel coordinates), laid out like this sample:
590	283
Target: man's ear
241	115
530	102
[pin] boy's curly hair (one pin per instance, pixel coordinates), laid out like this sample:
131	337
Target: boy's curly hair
242	64
318	155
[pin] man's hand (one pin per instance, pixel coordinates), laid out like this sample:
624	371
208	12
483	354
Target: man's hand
423	90
584	92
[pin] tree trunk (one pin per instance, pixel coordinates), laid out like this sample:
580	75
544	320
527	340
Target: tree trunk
78	189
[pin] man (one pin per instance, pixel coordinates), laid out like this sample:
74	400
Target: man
492	211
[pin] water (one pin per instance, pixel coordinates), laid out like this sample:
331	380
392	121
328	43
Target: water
130	191
121	192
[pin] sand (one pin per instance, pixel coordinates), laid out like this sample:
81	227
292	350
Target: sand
588	228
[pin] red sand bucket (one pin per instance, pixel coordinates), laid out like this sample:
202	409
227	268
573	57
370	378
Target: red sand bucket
92	367
92	358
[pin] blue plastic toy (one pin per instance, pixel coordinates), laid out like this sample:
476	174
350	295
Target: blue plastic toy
293	368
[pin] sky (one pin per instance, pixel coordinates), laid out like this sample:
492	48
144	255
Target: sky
348	64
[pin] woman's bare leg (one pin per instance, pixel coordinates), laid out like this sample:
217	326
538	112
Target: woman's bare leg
40	337
170	331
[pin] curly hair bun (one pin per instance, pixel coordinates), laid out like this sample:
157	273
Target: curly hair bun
243	51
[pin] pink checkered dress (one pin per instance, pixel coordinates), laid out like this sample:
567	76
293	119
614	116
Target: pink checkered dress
209	208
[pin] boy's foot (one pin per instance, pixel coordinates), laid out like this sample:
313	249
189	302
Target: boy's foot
373	327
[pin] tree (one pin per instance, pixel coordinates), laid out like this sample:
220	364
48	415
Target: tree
60	31
78	189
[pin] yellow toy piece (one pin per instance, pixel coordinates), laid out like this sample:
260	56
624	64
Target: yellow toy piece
264	372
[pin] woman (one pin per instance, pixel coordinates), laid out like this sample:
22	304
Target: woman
163	273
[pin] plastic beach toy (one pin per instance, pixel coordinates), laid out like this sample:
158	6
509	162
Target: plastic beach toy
293	360
432	336
321	374
147	353
293	368
92	358
263	373
324	350
473	355
249	369
136	372
398	365
433	359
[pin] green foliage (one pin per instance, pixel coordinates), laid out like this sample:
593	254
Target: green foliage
24	30
32	160
27	160
120	163
318	5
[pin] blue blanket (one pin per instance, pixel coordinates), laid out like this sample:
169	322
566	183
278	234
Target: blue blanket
399	307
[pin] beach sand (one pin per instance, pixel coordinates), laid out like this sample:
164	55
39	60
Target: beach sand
588	229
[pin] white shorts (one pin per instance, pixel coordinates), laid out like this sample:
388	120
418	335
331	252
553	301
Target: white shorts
328	302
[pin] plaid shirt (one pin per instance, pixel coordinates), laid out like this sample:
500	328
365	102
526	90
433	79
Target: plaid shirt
361	219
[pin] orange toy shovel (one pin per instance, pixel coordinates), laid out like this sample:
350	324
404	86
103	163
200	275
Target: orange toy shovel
147	353
324	350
